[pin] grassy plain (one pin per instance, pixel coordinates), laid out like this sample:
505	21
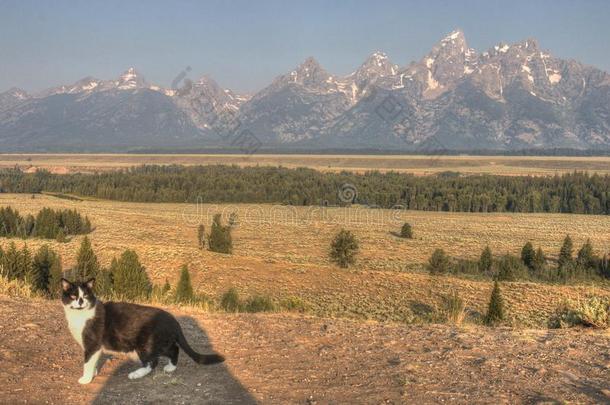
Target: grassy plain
420	165
283	252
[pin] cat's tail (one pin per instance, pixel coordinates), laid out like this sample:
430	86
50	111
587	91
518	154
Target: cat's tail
198	357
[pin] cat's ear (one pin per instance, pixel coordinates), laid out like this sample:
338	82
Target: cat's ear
90	283
65	284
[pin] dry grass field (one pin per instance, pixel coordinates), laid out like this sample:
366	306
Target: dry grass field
283	252
420	165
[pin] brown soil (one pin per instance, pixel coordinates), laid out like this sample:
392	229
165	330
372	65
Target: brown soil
282	358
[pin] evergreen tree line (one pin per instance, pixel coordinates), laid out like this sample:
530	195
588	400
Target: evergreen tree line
125	279
47	224
576	192
532	264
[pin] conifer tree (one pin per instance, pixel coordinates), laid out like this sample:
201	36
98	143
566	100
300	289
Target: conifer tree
220	237
527	255
25	263
566	252
166	287
55	276
104	284
344	248
486	261
184	289
586	258
438	262
11	262
129	277
40	272
201	236
406	231
495	310
87	265
539	261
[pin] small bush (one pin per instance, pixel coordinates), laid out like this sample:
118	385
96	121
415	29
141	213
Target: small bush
294	304
259	303
406	231
344	248
453	308
230	301
495	310
438	262
593	312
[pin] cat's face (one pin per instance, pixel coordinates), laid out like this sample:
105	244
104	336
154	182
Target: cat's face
77	296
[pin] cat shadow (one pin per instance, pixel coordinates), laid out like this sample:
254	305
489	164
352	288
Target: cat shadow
189	383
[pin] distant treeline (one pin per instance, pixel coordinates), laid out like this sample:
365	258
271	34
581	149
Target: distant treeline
375	151
47	224
579	193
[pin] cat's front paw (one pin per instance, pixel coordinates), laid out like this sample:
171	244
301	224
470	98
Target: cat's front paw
85	379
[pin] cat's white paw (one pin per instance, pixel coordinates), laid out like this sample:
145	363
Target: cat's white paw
169	368
86	379
139	373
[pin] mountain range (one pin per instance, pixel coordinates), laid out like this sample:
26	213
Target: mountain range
510	97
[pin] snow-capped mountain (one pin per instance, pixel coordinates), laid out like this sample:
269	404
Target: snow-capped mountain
511	96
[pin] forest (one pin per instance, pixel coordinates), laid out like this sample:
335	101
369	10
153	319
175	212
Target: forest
578	193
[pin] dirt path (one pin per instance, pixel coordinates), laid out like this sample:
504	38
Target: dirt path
292	359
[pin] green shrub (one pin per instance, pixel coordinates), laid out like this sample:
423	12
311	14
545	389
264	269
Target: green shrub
344	248
453	308
230	301
184	289
495	310
220	240
486	261
593	312
406	231
294	304
438	262
259	303
464	266
510	268
129	277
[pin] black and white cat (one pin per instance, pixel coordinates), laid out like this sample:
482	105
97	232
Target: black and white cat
121	327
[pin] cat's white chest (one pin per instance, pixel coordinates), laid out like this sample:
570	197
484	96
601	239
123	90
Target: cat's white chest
77	319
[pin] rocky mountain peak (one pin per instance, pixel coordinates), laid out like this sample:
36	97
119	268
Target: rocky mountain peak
130	80
376	65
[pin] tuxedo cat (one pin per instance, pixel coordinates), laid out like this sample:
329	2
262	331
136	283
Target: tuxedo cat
121	327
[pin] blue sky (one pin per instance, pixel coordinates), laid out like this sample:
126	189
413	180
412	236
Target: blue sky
245	44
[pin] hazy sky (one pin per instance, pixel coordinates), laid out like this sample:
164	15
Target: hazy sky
245	44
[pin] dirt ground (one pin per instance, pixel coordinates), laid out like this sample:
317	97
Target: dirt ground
282	358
